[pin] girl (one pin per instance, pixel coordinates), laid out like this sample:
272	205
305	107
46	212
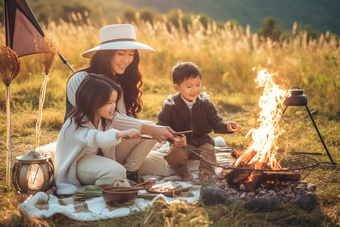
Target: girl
87	130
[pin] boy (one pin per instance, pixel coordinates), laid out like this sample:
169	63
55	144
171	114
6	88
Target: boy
191	110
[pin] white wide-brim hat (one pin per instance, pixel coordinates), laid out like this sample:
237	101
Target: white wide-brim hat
118	37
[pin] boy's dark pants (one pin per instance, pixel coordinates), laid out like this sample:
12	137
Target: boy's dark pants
177	157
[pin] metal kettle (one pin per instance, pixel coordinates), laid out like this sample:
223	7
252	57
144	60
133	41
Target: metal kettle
296	98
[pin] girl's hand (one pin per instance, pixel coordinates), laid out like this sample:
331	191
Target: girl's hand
232	126
180	141
131	133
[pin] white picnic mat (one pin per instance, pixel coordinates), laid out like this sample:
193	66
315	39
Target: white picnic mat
43	205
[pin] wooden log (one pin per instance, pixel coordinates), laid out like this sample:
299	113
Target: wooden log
244	159
281	176
257	179
236	175
236	154
224	173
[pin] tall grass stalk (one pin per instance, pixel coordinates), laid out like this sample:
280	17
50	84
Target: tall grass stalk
49	53
9	68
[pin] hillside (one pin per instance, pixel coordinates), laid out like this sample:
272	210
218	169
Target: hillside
321	15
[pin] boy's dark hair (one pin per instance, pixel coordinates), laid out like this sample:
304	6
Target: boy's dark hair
183	71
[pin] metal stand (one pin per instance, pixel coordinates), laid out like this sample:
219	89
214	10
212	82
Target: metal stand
323	143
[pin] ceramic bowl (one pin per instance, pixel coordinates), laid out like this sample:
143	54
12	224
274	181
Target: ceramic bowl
118	195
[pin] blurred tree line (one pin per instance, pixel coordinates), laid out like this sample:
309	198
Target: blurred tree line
99	12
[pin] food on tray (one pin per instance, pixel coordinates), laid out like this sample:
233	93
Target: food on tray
165	187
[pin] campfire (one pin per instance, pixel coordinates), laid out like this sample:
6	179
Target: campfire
263	162
263	175
259	162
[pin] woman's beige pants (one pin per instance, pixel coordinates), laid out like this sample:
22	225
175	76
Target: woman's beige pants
130	153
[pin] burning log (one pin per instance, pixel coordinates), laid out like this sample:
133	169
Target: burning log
235	154
254	173
244	159
281	176
238	175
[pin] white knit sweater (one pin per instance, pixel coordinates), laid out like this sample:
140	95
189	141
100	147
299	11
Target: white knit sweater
73	143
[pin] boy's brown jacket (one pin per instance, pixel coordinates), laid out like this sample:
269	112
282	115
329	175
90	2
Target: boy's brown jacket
203	119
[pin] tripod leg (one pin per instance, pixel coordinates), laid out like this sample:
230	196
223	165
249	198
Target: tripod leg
324	145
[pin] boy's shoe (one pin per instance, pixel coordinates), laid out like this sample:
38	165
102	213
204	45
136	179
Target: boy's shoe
204	175
186	175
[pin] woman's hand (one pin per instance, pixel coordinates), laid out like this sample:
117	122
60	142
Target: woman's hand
158	132
232	126
131	133
180	141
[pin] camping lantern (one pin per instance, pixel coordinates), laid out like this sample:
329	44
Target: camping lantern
32	173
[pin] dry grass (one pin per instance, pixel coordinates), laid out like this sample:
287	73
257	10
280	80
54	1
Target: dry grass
9	64
49	50
226	57
49	53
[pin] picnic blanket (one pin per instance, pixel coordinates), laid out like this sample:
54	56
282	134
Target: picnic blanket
43	205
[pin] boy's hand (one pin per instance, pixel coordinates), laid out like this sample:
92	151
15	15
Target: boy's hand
131	133
180	141
232	126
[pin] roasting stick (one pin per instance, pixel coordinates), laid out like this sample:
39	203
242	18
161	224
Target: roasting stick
175	134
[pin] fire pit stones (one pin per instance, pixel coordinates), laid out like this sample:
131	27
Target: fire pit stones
301	194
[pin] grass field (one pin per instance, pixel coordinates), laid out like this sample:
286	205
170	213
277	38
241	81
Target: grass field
226	57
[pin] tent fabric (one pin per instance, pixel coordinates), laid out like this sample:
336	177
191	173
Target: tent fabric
22	28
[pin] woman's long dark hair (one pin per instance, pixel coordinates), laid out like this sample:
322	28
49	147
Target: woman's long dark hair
92	94
130	81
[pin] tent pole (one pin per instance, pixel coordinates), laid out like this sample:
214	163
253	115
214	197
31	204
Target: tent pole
65	62
9	147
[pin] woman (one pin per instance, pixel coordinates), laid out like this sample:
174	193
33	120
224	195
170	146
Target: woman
84	133
117	57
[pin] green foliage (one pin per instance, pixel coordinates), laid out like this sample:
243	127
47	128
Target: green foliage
129	15
270	29
322	15
149	15
175	16
311	33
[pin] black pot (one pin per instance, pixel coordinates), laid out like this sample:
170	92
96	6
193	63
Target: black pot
297	98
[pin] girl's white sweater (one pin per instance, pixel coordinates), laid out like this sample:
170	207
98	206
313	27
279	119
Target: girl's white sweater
73	143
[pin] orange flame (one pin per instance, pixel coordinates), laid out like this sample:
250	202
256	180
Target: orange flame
265	137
